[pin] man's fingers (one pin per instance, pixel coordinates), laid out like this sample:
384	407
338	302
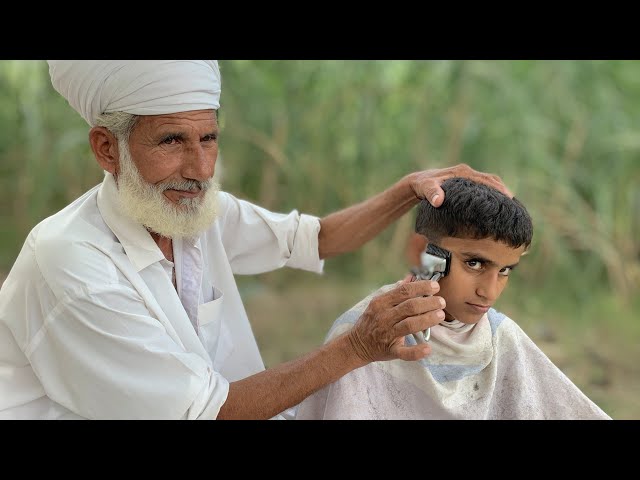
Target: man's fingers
417	306
496	182
427	183
418	323
487	178
391	316
407	279
405	291
435	195
411	353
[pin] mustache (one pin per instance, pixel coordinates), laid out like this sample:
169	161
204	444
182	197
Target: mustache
185	185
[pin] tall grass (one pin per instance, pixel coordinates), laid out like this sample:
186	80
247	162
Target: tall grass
44	154
562	134
320	135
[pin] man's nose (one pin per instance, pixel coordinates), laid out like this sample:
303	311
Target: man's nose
199	163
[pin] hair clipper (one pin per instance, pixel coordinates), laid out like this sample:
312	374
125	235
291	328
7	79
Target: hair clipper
435	264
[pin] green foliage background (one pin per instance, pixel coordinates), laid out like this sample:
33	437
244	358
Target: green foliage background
320	135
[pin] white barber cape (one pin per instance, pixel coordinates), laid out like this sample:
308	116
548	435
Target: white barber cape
490	370
91	325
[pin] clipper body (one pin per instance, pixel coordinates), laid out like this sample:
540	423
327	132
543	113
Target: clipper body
435	264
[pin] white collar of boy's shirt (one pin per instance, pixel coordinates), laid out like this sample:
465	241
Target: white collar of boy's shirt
138	244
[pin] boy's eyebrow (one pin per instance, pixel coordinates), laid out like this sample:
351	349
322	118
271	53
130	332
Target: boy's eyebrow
480	258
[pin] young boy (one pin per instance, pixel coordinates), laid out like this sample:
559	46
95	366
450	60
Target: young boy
482	365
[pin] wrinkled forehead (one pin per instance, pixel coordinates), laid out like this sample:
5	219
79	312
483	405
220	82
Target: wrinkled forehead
199	121
179	118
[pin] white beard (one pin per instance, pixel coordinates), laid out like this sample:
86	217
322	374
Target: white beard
145	203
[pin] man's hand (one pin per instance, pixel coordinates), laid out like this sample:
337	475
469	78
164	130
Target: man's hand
426	184
408	308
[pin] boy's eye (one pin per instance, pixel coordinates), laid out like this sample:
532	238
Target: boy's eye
474	264
505	271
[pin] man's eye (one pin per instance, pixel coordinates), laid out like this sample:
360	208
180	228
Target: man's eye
474	264
169	140
210	138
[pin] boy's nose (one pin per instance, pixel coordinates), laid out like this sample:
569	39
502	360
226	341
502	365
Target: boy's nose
489	289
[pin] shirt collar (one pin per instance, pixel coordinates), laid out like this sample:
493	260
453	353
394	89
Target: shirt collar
138	244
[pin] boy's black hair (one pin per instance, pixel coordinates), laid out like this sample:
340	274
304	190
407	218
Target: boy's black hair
476	211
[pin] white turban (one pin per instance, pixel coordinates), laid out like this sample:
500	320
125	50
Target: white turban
139	87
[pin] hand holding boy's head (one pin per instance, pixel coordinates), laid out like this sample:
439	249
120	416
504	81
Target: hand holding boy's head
474	210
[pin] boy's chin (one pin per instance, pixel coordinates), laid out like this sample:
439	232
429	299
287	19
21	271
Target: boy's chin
469	319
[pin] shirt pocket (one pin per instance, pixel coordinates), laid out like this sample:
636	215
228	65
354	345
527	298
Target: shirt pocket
213	331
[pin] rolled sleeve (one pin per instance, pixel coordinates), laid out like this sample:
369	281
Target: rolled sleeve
305	254
257	240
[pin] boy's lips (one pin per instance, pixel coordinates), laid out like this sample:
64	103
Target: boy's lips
479	308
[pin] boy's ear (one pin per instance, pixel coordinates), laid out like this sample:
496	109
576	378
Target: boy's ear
416	244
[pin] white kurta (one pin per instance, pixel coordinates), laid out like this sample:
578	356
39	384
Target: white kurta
92	327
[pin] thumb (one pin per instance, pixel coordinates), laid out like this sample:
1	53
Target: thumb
409	278
435	196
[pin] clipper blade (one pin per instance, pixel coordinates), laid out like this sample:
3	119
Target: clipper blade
434	260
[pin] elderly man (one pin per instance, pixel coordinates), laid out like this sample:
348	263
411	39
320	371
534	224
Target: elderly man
124	304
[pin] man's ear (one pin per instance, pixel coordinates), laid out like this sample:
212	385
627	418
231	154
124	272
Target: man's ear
105	148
